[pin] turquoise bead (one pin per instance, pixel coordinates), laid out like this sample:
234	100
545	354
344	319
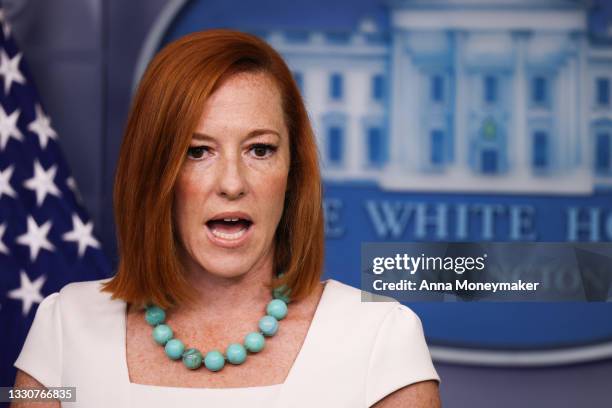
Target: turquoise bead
174	349
277	309
236	353
162	333
254	342
214	360
268	325
192	358
155	315
282	293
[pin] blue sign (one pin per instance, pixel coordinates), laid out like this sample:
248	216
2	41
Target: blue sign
451	121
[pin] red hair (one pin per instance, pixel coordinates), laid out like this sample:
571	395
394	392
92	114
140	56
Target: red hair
164	114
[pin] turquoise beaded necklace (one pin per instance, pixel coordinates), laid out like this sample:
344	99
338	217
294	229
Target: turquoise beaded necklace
235	353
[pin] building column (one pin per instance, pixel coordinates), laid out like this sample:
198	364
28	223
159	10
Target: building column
353	131
564	143
582	104
518	139
396	73
412	123
572	133
403	119
461	139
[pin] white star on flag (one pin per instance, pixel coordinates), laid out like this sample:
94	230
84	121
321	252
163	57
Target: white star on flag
42	182
8	127
81	233
28	292
42	127
36	238
9	69
5	182
3	247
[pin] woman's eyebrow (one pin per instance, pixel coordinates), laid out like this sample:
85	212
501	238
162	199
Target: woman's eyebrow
251	134
202	136
259	132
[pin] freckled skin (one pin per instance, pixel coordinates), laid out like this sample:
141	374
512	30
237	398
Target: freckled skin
229	175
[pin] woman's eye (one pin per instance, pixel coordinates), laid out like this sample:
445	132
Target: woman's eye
262	150
197	152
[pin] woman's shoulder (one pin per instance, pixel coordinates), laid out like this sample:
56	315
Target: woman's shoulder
364	307
84	298
85	290
88	314
76	318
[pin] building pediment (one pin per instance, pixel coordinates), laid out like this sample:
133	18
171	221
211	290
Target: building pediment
475	15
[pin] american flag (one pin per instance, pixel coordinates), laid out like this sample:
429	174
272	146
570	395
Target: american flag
46	236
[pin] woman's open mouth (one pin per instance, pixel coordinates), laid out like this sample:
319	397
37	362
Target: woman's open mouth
229	232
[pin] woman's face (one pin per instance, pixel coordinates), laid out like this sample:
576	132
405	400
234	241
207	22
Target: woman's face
230	192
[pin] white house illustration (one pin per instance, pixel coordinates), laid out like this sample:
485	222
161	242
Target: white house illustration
461	95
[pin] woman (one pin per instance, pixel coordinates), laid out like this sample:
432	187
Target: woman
218	211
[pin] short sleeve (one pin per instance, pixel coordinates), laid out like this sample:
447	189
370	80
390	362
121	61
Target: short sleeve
399	356
41	354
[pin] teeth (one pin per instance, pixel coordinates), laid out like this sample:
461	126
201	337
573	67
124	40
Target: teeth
230	219
225	235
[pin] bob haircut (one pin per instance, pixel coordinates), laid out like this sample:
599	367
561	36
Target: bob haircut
165	112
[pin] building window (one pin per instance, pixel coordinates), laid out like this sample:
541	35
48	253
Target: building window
490	89
489	161
335	86
378	87
540	149
539	90
437	88
437	147
602	153
377	147
603	91
299	80
335	144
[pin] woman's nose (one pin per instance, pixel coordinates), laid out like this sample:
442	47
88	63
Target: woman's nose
232	183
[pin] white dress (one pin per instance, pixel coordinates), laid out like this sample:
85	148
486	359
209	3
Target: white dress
354	354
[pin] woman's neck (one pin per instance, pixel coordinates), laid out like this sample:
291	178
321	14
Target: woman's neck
218	295
221	293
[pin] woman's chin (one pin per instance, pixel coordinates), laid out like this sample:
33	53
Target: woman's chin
226	268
